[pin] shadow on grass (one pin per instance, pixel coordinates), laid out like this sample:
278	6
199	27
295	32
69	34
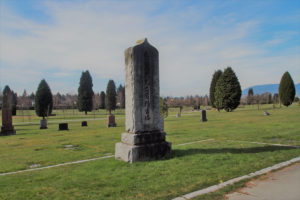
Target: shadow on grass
187	152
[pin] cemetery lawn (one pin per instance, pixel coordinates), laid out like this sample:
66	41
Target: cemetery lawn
190	167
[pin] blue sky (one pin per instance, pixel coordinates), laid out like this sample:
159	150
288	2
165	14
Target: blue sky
57	40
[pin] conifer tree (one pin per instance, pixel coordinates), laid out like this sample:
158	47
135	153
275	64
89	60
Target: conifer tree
102	100
286	89
43	100
111	96
7	97
14	103
250	96
212	88
275	98
121	96
228	91
163	108
85	92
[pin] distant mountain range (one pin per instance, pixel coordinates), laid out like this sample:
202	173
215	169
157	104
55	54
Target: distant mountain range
272	88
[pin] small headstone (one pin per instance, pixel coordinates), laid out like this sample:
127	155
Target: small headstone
34	166
7	127
70	147
43	124
144	138
266	113
111	121
63	126
178	115
203	116
84	123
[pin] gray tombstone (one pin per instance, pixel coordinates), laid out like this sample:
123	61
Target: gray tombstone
43	124
63	127
144	138
7	127
84	123
203	116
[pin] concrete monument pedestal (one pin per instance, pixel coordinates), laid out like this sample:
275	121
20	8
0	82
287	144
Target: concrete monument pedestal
145	137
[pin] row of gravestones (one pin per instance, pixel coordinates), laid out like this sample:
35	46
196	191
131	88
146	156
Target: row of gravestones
110	123
203	116
65	127
7	127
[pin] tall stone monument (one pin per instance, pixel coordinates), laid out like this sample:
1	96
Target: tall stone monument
7	127
144	138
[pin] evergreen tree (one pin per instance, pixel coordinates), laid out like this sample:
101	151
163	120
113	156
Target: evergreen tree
270	98
121	96
228	91
275	98
111	100
163	108
250	92
7	97
14	103
286	89
102	100
43	100
250	96
31	96
85	92
212	88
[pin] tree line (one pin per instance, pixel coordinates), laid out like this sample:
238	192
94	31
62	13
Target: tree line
43	102
224	93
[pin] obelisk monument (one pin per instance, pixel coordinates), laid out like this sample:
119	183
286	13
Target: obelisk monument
144	138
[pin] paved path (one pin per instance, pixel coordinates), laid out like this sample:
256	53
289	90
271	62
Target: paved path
280	185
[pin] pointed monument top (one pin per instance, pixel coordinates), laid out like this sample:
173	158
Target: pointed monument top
141	41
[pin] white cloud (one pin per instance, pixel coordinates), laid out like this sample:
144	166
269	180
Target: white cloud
93	35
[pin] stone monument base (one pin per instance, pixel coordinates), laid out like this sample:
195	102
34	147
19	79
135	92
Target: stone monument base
5	131
142	147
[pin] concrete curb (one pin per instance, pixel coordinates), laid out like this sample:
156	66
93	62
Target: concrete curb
234	180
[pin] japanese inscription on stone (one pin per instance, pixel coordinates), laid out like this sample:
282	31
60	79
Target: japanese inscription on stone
147	88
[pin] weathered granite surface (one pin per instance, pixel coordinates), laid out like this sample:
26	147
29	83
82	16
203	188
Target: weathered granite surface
7	127
145	137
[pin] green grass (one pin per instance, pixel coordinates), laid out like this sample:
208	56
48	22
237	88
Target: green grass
188	168
70	114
